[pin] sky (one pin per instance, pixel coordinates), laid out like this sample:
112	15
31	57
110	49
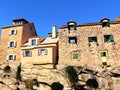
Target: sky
45	13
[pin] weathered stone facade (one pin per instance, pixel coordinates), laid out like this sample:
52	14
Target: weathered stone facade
12	38
89	52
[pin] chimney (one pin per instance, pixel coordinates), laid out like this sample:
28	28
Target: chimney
118	18
54	31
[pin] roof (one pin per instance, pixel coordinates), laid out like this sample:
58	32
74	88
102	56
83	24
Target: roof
90	24
20	19
41	39
50	40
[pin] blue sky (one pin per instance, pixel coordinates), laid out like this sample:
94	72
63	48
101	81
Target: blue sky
45	13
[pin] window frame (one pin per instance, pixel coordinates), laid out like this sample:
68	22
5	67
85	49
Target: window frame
9	57
72	27
75	56
73	38
106	24
108	38
27	53
31	42
103	54
41	50
11	33
11	44
92	39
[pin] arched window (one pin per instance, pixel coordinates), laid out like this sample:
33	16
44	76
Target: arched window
105	22
72	25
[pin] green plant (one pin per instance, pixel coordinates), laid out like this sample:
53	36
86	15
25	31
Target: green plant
92	83
57	86
72	75
7	69
18	73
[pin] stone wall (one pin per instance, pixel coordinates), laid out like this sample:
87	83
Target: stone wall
89	53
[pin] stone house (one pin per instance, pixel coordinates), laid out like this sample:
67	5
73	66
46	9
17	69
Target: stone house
90	43
41	51
20	38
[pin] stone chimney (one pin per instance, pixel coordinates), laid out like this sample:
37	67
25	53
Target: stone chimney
118	18
54	31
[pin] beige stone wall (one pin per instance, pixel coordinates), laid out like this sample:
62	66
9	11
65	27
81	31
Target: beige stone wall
40	59
89	54
23	33
7	38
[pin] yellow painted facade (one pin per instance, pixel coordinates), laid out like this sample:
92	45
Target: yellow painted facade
15	39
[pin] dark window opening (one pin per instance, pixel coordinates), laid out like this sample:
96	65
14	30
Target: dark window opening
92	39
72	40
108	38
72	27
11	57
34	42
42	52
27	53
105	24
11	44
103	54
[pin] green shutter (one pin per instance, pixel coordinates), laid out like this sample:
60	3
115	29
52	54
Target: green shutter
108	24
101	54
95	39
75	55
74	26
89	38
111	38
68	27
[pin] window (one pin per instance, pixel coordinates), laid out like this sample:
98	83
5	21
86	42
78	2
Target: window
33	42
103	53
108	38
13	32
106	24
72	27
75	55
72	40
12	44
27	53
11	57
42	52
92	39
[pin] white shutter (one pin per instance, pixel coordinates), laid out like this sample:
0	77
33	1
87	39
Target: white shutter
29	42
8	44
10	32
23	53
7	57
36	41
46	51
15	43
14	56
15	32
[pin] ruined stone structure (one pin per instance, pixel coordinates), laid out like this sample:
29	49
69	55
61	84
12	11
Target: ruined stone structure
91	43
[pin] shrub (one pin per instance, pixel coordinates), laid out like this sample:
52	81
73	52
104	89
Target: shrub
92	83
18	73
72	74
57	86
